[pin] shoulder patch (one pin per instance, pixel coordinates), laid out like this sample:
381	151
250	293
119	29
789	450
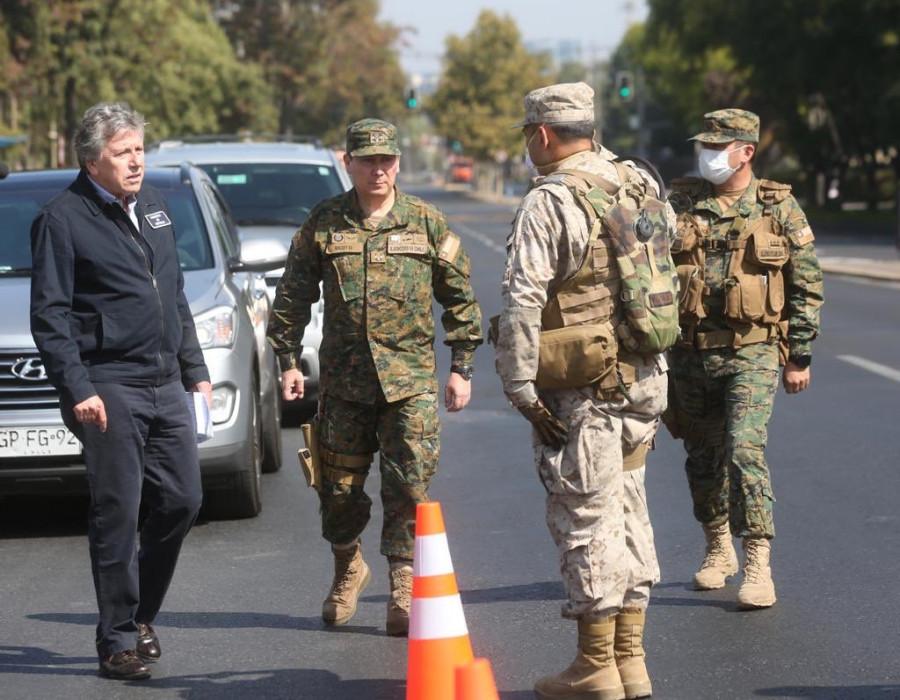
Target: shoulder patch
804	236
449	248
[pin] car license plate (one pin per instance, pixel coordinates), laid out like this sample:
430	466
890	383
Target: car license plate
36	441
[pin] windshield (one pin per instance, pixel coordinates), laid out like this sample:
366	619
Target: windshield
18	208
273	194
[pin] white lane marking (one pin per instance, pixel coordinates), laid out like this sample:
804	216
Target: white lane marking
480	237
873	367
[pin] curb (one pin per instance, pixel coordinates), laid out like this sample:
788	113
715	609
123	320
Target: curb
867	268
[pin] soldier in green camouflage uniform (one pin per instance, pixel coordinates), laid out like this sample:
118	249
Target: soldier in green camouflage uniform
751	290
380	255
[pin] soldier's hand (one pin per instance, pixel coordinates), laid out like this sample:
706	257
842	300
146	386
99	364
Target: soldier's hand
292	387
794	378
550	429
457	392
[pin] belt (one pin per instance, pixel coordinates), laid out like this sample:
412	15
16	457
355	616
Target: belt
732	339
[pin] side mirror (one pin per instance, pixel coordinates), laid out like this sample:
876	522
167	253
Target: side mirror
260	255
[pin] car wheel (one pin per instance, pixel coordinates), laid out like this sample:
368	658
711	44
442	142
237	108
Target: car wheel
271	441
242	500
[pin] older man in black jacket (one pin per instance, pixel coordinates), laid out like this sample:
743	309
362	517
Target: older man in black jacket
115	332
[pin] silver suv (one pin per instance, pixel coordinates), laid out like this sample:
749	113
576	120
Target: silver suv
225	286
271	186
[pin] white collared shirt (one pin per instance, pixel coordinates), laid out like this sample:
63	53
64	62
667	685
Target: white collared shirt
128	203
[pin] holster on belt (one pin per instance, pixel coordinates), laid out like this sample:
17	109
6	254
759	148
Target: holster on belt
310	457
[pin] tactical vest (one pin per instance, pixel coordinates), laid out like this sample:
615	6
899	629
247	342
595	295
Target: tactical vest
754	285
592	298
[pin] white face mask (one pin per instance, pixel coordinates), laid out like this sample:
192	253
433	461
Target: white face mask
714	164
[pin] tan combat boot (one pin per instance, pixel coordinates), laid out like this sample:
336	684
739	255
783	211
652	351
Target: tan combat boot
400	600
351	576
757	589
593	674
630	653
720	561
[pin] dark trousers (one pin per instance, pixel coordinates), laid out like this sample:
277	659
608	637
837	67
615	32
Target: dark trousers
149	451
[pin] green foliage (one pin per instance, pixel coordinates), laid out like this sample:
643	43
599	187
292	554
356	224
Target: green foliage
329	62
824	75
486	76
166	58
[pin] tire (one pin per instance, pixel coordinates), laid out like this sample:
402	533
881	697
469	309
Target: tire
243	499
271	435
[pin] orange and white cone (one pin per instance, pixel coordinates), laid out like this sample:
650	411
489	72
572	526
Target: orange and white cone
475	681
438	636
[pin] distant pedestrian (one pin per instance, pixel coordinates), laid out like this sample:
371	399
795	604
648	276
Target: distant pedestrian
117	338
751	285
593	428
381	256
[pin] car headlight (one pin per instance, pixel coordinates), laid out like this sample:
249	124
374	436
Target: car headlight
215	328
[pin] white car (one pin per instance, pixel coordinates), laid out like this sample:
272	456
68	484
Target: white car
270	186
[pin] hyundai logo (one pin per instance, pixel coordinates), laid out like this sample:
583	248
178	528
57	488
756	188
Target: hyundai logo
31	369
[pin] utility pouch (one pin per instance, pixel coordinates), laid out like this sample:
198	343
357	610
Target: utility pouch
745	298
686	238
690	299
767	249
575	356
310	459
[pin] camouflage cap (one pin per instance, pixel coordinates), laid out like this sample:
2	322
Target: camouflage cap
370	137
559	104
725	125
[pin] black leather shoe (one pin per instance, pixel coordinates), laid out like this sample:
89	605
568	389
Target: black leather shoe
124	666
147	645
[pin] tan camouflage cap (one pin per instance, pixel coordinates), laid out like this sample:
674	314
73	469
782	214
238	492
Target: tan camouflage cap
559	104
726	125
370	137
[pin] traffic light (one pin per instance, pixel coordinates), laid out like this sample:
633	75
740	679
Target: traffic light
625	85
412	98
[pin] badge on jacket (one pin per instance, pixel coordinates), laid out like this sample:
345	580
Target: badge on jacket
158	219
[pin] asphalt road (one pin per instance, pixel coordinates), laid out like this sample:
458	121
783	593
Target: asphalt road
242	618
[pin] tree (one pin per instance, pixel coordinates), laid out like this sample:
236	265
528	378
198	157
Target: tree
329	62
166	58
824	75
486	75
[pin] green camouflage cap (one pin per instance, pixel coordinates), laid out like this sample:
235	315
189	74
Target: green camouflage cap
370	137
725	125
559	104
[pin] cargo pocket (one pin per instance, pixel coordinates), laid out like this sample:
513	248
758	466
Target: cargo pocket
744	298
690	300
349	271
767	249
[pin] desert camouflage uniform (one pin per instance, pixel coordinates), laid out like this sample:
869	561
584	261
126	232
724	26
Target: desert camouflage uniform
378	382
728	393
596	512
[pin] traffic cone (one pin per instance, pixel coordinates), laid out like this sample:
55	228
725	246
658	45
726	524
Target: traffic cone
438	636
475	681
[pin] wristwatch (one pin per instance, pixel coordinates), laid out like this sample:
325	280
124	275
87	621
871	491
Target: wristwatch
802	361
464	371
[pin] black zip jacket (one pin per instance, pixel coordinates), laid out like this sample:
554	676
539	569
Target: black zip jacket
104	306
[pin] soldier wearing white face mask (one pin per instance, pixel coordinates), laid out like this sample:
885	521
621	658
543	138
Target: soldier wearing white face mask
751	290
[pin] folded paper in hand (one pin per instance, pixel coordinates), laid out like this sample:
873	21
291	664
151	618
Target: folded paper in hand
202	420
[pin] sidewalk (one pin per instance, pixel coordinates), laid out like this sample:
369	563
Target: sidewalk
868	268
